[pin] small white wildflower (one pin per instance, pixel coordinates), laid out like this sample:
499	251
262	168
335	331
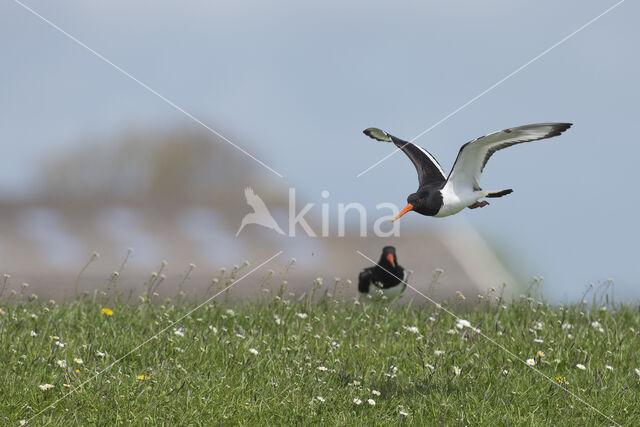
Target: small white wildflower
505	372
538	326
541	353
23	422
302	315
60	344
357	401
33	333
62	363
213	329
413	329
253	351
240	336
46	386
456	370
531	362
538	340
431	319
581	366
78	360
403	413
430	366
179	331
322	368
100	354
356	382
320	398
438	352
452	332
278	320
376	392
567	326
230	312
637	371
371	402
609	367
463	323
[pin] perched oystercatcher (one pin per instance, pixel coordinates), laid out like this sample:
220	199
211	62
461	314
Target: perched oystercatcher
387	276
442	196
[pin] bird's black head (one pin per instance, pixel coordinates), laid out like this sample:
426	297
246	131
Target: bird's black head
420	201
388	259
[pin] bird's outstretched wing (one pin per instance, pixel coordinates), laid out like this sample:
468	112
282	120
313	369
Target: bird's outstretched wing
474	155
428	168
254	200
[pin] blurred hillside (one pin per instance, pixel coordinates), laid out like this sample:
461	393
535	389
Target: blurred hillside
175	167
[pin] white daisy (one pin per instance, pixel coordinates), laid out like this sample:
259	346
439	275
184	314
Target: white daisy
62	363
457	370
463	323
531	362
371	402
357	401
320	398
253	351
376	392
581	366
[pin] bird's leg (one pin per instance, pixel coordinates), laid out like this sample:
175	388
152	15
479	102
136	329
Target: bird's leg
481	204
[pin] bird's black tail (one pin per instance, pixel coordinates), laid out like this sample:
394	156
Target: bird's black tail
500	193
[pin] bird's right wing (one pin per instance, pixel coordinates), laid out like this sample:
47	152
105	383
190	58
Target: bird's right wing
428	168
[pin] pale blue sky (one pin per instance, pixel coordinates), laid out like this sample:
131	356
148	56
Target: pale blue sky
296	83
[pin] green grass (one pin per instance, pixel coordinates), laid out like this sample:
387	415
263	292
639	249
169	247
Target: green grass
197	375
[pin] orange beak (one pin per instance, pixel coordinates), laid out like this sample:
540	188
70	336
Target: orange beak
404	211
391	260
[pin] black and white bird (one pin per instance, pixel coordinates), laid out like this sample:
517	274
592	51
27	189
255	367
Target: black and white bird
387	276
439	195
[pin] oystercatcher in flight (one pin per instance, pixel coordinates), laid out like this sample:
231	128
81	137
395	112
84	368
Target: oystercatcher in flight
442	196
387	276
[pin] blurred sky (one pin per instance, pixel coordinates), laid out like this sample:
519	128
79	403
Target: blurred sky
295	83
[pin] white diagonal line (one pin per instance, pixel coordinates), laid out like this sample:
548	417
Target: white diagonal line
493	86
440	307
150	89
153	337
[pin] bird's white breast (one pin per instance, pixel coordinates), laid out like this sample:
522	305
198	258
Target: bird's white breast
453	202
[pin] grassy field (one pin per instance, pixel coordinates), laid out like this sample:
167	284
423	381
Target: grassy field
283	359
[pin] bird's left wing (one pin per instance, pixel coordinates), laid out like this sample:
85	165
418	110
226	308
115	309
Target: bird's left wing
364	279
428	168
474	155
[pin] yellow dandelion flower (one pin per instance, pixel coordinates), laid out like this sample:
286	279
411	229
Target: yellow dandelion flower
107	311
142	377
